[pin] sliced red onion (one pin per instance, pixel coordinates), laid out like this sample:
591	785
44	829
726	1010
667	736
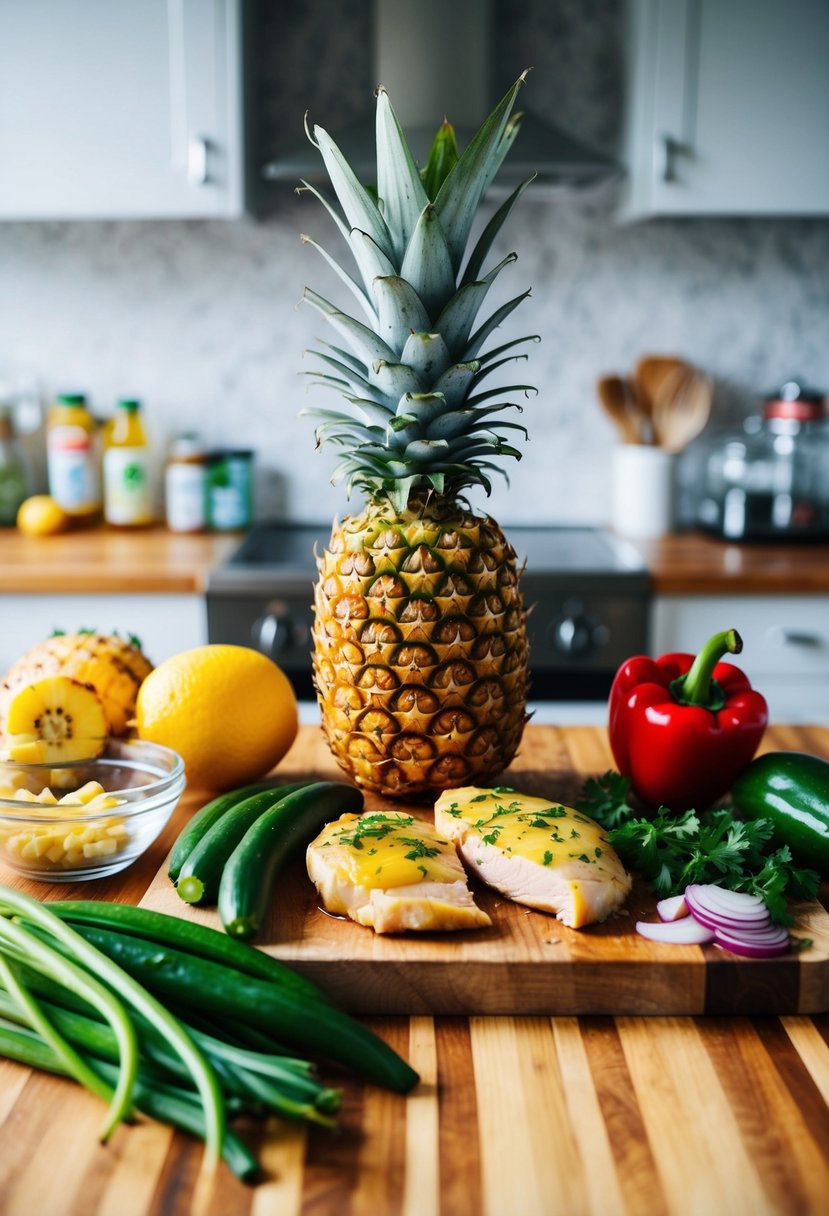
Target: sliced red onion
760	944
684	932
736	905
672	908
707	905
714	920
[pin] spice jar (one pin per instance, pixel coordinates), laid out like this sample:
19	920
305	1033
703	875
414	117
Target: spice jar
185	485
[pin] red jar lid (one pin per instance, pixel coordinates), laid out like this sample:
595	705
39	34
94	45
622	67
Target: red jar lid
795	402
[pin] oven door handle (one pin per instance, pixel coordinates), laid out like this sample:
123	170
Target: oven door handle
271	633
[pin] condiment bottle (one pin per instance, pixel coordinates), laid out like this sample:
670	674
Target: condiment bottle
14	480
128	499
185	485
71	457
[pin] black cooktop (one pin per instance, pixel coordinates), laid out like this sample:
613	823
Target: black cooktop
286	550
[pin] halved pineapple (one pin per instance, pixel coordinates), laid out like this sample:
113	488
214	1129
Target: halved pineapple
55	720
114	666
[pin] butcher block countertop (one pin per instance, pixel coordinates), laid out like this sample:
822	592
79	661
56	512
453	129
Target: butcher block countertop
111	561
156	560
694	564
580	1114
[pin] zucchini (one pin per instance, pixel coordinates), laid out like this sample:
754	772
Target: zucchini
792	790
214	990
247	882
198	880
203	820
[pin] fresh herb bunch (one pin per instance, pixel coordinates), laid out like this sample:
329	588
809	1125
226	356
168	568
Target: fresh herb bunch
672	850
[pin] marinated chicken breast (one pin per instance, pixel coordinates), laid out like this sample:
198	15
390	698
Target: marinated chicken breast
535	852
393	872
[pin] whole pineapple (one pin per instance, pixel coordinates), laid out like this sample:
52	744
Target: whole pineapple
420	642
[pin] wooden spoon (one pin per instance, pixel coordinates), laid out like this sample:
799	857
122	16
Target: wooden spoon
652	371
681	408
620	405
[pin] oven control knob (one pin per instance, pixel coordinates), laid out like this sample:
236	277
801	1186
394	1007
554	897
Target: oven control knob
576	635
272	632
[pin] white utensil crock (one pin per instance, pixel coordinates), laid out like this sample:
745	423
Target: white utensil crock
643	491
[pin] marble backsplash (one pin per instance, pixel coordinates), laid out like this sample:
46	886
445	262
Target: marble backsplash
202	321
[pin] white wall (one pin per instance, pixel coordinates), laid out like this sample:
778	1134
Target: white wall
201	320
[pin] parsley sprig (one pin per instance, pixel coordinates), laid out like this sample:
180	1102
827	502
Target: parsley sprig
672	850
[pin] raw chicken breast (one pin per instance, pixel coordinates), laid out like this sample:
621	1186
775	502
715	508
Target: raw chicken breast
393	872
535	852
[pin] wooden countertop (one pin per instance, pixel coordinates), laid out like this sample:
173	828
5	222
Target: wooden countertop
695	564
155	560
106	560
537	1116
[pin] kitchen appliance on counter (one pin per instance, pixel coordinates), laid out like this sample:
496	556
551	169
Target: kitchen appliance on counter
587	592
770	480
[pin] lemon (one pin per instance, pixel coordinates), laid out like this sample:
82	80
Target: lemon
229	712
40	515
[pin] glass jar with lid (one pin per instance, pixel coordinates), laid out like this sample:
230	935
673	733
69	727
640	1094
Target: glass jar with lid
770	480
185	484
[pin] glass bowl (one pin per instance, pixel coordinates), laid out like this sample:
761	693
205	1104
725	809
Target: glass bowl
66	841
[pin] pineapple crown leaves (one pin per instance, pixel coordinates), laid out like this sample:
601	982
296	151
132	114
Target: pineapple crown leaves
410	370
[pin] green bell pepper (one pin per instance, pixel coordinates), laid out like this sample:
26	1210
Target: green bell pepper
792	790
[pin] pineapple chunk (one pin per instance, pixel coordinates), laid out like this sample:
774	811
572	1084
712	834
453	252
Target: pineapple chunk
85	794
64	846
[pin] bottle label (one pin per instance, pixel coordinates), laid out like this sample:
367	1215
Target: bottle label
127	490
186	497
72	471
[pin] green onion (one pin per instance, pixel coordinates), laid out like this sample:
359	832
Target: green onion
74	1065
72	942
25	947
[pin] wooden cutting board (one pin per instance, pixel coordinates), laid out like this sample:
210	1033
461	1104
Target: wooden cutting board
528	963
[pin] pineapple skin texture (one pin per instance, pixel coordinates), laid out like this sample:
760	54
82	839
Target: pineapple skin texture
113	667
420	649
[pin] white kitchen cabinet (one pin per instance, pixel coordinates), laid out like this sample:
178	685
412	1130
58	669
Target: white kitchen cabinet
166	624
727	108
785	644
113	109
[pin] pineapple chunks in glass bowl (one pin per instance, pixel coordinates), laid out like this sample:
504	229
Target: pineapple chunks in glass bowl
87	818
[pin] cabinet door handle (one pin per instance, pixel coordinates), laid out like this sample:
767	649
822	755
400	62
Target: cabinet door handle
666	152
779	636
197	150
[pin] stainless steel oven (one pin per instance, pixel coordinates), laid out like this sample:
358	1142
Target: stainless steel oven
586	592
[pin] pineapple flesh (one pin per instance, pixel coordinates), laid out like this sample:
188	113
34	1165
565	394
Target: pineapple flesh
420	641
54	721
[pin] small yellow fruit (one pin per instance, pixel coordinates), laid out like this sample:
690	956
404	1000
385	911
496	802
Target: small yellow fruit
229	712
40	515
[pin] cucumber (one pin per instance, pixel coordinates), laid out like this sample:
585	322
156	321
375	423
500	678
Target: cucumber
792	790
247	882
212	989
203	820
198	880
184	935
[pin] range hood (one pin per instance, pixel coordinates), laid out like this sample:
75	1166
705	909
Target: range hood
431	53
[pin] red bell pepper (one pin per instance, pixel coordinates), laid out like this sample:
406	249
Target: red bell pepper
683	728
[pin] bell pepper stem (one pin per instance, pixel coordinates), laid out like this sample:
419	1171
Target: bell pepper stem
698	687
